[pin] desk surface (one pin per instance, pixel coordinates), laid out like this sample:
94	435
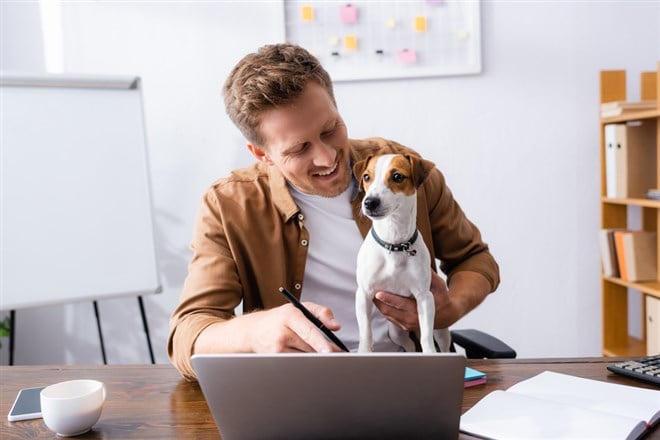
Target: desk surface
152	401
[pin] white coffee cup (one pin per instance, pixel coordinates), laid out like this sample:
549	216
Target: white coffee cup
71	408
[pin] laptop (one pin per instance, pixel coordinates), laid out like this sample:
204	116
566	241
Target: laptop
334	395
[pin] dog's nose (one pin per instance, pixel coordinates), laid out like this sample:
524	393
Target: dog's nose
371	203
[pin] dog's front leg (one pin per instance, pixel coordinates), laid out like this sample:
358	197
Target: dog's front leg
426	313
363	310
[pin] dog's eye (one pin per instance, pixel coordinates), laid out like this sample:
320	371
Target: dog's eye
398	177
366	177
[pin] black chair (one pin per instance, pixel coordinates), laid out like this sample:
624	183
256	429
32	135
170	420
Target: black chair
480	345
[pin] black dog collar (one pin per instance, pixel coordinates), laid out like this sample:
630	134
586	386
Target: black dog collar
400	247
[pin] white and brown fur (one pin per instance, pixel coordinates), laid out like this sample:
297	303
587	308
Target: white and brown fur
390	183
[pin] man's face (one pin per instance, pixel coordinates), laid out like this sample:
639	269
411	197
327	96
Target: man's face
308	141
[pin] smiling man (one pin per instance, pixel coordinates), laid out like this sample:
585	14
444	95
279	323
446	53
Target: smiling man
292	220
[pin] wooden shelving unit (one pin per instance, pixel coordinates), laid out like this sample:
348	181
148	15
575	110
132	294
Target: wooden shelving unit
614	214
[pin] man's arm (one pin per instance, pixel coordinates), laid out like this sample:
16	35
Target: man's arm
279	330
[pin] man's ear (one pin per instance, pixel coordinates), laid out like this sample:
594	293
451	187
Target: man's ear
260	154
420	168
358	170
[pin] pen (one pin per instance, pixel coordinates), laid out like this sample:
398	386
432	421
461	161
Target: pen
297	304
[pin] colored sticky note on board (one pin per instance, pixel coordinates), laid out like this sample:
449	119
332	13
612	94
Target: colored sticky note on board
348	14
350	42
307	13
407	56
420	23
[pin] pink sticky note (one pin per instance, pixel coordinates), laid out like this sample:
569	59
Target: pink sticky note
348	14
406	56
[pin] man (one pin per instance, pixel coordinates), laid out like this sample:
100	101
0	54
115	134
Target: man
292	220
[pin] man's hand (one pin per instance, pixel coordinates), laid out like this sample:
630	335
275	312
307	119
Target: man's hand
283	329
466	291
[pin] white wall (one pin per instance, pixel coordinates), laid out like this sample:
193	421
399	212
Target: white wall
518	145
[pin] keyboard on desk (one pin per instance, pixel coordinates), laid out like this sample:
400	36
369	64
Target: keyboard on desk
646	369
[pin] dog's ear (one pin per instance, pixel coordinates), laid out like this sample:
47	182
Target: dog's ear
358	170
420	168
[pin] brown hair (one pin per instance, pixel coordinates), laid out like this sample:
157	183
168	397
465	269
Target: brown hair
273	76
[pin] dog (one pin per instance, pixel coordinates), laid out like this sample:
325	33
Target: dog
393	256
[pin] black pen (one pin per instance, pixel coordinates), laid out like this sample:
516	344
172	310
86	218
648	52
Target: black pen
326	331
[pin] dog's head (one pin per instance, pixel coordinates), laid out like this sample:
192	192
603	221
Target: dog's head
389	180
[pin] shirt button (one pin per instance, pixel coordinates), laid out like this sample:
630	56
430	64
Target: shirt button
303	242
297	286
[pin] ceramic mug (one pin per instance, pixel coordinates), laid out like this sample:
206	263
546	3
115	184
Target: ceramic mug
71	408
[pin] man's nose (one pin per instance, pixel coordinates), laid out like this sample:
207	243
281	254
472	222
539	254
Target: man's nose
324	155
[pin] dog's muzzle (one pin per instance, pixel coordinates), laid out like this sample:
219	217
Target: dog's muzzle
371	205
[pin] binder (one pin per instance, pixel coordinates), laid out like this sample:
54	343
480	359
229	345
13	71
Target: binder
608	252
652	325
637	255
640	255
610	160
636	159
620	254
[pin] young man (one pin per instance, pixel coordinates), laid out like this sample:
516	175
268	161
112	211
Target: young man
292	220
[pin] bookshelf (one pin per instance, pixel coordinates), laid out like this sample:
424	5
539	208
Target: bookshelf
614	214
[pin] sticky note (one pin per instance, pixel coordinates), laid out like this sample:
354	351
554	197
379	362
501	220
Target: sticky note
333	41
420	23
307	13
407	56
463	34
348	14
390	23
350	42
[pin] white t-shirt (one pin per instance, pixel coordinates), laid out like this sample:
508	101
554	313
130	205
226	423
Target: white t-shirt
334	241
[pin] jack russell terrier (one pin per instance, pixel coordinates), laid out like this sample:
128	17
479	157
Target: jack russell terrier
393	257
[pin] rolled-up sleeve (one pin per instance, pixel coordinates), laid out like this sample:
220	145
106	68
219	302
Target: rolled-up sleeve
212	289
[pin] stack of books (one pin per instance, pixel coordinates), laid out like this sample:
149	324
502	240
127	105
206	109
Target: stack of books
618	108
629	255
653	194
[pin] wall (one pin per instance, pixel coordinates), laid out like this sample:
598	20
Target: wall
518	145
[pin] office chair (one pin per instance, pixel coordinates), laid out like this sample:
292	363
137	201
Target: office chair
479	345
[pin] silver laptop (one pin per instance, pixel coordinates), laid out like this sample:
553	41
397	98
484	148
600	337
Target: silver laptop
333	396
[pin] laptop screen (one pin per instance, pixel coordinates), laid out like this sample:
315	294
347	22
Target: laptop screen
336	395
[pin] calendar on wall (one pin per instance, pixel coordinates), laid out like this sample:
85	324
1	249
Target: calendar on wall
388	39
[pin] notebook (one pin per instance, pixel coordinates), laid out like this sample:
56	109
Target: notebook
335	395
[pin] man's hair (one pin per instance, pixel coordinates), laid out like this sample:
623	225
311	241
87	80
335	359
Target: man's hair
273	76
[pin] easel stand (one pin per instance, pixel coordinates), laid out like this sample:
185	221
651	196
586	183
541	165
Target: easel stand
143	315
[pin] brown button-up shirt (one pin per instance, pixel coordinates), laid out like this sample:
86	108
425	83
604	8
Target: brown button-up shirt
249	240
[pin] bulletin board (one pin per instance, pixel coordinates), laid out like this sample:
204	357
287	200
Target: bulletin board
364	40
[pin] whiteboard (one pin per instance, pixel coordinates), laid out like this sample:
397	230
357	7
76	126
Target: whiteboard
76	206
362	40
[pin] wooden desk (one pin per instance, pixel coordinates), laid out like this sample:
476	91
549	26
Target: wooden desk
152	401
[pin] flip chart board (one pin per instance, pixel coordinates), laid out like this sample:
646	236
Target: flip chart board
76	207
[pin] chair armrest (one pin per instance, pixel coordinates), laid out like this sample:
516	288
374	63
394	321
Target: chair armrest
479	345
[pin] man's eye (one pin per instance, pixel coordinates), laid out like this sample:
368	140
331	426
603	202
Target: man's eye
398	177
301	149
366	177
